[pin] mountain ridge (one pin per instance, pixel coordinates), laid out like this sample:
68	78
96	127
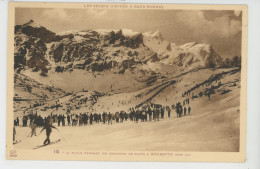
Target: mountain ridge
101	50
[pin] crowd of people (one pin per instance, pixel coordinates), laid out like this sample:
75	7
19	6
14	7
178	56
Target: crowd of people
146	113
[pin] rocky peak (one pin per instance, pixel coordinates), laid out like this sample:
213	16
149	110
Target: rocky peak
154	35
34	29
32	23
123	37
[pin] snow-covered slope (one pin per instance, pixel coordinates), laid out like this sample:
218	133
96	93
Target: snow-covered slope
209	128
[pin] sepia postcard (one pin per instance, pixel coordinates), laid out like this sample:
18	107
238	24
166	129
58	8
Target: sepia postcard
126	82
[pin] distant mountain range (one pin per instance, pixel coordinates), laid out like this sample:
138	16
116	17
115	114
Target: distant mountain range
99	50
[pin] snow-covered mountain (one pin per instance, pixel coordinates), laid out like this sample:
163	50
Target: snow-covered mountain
191	55
99	50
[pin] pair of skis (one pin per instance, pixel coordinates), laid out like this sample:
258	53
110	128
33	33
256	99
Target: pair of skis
53	142
17	141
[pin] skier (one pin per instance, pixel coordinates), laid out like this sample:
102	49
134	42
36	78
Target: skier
48	127
33	127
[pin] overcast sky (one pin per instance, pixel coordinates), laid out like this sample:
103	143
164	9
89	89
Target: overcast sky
222	29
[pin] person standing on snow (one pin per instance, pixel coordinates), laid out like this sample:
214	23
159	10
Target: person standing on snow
33	129
169	112
48	127
17	121
189	110
150	114
109	118
162	112
14	133
68	119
